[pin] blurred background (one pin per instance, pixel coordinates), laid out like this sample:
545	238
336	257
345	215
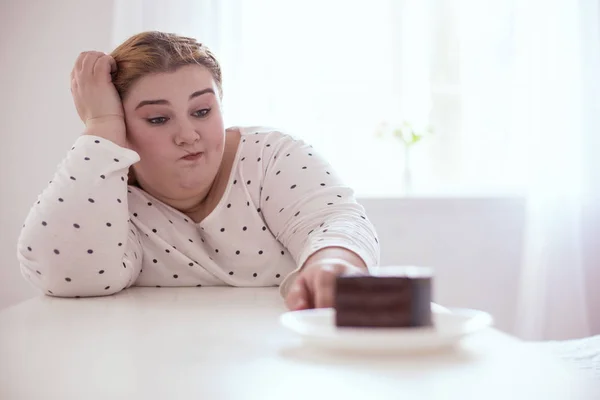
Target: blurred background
468	128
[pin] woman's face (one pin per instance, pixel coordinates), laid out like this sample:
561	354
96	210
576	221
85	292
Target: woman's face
170	116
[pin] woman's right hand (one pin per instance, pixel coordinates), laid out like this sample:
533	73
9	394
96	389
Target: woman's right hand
96	98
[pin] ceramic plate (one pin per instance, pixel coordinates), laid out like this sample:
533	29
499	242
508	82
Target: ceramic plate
317	328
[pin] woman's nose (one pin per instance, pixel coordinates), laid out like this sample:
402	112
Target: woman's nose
186	134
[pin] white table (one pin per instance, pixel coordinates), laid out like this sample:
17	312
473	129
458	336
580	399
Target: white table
226	343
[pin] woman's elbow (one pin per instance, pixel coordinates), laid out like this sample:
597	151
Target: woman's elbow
55	283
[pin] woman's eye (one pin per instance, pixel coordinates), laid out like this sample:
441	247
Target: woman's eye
201	113
157	120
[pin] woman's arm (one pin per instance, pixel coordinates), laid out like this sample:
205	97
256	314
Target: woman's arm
77	239
313	285
311	211
336	253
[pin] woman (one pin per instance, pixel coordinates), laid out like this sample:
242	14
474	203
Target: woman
157	192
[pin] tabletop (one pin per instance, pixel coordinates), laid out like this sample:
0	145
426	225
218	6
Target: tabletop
227	343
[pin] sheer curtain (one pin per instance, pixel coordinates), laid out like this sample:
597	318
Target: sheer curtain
558	99
538	103
511	88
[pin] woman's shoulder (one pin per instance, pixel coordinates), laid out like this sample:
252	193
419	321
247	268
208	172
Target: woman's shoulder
265	139
264	131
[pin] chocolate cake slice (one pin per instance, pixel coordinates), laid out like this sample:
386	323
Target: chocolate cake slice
393	300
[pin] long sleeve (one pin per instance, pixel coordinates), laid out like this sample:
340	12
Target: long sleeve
77	239
308	207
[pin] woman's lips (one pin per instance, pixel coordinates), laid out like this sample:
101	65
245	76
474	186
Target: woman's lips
192	156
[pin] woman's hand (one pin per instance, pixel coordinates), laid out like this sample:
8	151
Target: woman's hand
314	286
96	98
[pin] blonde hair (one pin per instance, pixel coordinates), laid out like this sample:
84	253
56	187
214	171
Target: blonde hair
154	52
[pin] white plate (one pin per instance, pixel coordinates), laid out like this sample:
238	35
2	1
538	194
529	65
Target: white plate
317	328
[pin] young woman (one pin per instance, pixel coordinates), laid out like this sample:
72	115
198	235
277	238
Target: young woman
157	192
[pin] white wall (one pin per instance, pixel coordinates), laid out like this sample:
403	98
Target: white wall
39	42
474	245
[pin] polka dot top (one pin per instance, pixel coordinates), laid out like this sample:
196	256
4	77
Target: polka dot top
91	234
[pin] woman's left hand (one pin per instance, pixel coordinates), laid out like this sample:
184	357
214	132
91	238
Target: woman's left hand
314	286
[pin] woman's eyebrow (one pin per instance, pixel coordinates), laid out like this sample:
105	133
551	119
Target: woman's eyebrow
163	101
201	92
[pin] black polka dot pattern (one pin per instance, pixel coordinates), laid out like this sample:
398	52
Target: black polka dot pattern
288	190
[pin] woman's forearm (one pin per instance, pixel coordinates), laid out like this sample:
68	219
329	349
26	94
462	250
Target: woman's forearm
339	253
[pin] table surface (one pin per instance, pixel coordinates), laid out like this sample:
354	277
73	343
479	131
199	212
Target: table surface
227	343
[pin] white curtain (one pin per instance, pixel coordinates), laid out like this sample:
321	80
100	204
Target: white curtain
551	90
530	88
511	86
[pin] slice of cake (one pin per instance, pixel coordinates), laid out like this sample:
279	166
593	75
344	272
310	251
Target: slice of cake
394	298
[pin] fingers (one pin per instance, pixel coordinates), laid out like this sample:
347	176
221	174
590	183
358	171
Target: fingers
89	61
79	61
298	298
324	280
113	64
84	65
104	65
324	285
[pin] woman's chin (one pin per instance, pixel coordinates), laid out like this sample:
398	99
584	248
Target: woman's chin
191	184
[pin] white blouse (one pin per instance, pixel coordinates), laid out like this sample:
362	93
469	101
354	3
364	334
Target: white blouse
91	234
